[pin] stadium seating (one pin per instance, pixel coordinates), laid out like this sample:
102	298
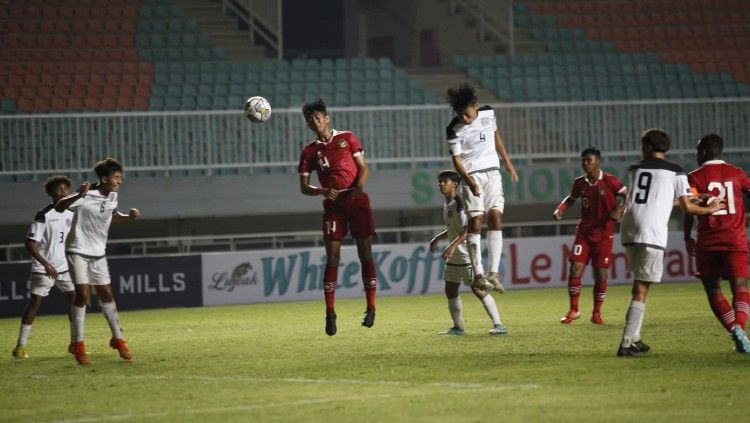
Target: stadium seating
146	55
607	50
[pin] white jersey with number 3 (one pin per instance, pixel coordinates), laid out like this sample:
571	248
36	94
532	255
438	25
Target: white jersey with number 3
655	184
49	230
92	216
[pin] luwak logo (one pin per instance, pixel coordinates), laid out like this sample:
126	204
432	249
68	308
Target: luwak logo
222	281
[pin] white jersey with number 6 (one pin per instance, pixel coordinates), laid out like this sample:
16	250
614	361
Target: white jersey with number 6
655	183
92	216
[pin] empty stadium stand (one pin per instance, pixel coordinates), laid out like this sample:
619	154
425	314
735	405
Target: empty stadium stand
614	50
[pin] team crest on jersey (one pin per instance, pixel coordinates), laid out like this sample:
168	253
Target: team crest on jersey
67	222
342	144
486	121
602	192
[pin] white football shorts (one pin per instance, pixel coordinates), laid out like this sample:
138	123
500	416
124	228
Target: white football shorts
491	184
88	270
646	263
41	284
458	273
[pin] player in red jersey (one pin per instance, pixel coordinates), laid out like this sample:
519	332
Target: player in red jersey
339	160
598	192
721	250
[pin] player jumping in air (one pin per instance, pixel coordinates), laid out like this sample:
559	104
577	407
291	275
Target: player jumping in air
339	160
475	143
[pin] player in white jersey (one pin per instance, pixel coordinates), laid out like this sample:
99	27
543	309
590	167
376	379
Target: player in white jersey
657	186
456	256
94	208
475	143
45	242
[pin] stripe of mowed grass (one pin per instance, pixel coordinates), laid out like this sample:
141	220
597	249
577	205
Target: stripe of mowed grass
274	362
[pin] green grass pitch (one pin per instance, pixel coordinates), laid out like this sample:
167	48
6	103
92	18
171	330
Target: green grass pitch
273	362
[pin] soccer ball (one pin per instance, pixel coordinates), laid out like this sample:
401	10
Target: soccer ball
257	109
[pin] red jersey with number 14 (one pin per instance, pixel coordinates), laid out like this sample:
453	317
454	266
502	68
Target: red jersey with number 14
332	160
723	230
597	201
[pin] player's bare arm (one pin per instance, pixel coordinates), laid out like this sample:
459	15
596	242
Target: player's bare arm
619	210
688	206
500	148
564	204
363	172
458	164
119	217
455	243
307	189
687	231
437	238
31	247
64	203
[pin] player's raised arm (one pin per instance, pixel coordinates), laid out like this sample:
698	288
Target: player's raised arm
564	204
500	148
363	171
64	203
118	217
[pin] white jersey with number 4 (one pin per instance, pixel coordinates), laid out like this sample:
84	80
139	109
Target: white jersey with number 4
49	230
655	184
475	142
92	216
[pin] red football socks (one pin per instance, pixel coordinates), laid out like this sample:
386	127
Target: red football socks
741	298
574	291
722	310
369	279
329	287
600	291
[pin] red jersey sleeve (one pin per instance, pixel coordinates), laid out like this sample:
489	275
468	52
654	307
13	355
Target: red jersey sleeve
305	162
355	146
745	182
614	183
575	191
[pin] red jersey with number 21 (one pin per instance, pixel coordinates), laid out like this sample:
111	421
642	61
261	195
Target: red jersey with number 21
332	160
723	230
597	201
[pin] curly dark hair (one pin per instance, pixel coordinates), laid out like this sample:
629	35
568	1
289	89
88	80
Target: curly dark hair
316	106
461	97
54	181
107	167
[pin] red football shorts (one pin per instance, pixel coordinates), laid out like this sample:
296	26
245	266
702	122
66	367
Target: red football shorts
348	213
599	254
721	264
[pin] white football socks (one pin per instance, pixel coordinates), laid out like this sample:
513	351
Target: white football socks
110	312
633	321
494	249
23	334
79	317
455	307
475	252
491	308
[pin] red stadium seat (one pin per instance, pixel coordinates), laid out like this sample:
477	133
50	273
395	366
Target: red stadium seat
130	79
26	105
62	91
42	104
75	103
108	103
114	68
110	91
124	103
113	79
11	92
141	103
59	104
97	79
92	104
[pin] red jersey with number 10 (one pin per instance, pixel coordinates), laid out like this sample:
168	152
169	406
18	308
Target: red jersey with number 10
723	230
333	160
597	201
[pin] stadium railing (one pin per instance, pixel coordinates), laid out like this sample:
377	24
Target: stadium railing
211	142
280	240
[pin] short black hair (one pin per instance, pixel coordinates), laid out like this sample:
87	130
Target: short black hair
54	181
657	139
107	167
712	144
461	97
592	151
450	174
316	106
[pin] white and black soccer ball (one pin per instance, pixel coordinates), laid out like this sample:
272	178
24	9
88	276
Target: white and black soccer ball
257	109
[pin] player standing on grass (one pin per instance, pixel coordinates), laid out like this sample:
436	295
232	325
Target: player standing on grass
94	209
721	249
475	143
456	256
339	160
655	186
598	192
45	242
